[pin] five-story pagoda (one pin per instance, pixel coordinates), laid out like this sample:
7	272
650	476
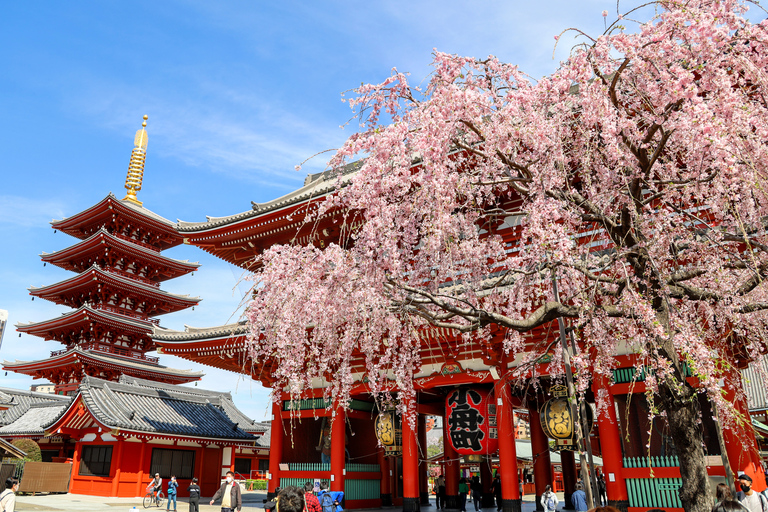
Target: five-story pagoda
116	293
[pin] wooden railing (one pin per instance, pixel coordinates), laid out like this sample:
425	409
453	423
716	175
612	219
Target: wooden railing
125	312
319	466
110	349
654	492
626	375
653	462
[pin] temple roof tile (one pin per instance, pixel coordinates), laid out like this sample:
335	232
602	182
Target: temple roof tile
22	400
315	186
149	408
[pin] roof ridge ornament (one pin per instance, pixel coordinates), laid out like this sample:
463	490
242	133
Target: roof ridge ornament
136	166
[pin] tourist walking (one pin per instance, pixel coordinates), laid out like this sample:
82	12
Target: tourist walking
601	489
311	503
8	496
753	501
496	490
194	496
229	492
549	500
726	501
463	490
579	499
172	486
477	493
440	492
290	499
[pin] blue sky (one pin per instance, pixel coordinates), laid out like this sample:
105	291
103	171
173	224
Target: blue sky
237	94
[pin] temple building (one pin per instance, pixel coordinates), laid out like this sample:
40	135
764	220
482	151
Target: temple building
117	415
465	383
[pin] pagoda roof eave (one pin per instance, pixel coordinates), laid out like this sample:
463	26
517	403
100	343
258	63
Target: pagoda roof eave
78	356
86	314
71	224
97	275
103	237
316	186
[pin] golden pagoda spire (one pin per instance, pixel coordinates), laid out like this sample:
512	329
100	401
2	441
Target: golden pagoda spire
136	167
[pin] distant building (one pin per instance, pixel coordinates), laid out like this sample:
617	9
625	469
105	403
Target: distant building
42	388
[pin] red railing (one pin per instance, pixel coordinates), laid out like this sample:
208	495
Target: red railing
125	312
110	349
133	277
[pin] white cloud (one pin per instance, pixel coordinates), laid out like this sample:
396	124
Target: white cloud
27	212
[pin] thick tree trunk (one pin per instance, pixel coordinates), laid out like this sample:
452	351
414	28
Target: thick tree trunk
682	408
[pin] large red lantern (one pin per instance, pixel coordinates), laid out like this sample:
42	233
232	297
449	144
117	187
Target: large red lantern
471	421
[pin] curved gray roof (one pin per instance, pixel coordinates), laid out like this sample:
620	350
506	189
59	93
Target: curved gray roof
315	186
21	401
146	406
200	333
35	419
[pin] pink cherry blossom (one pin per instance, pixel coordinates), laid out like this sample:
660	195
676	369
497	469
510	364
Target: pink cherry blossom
634	175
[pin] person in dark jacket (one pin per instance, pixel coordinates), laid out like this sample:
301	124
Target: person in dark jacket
476	488
194	496
229	492
496	490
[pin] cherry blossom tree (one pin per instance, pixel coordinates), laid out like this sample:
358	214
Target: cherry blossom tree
634	177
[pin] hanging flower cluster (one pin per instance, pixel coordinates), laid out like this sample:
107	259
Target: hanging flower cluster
634	176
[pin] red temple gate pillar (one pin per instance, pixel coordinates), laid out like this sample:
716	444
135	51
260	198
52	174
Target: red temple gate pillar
275	448
384	483
423	465
568	463
542	466
610	445
452	468
411	498
338	444
508	474
740	443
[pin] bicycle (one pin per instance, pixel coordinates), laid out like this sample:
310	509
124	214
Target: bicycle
150	499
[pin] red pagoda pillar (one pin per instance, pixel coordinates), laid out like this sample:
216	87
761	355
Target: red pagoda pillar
338	435
276	436
452	468
410	462
508	474
610	446
542	474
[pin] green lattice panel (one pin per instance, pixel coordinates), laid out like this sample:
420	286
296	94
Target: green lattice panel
654	492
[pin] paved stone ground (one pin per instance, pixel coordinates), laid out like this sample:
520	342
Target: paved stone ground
252	502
